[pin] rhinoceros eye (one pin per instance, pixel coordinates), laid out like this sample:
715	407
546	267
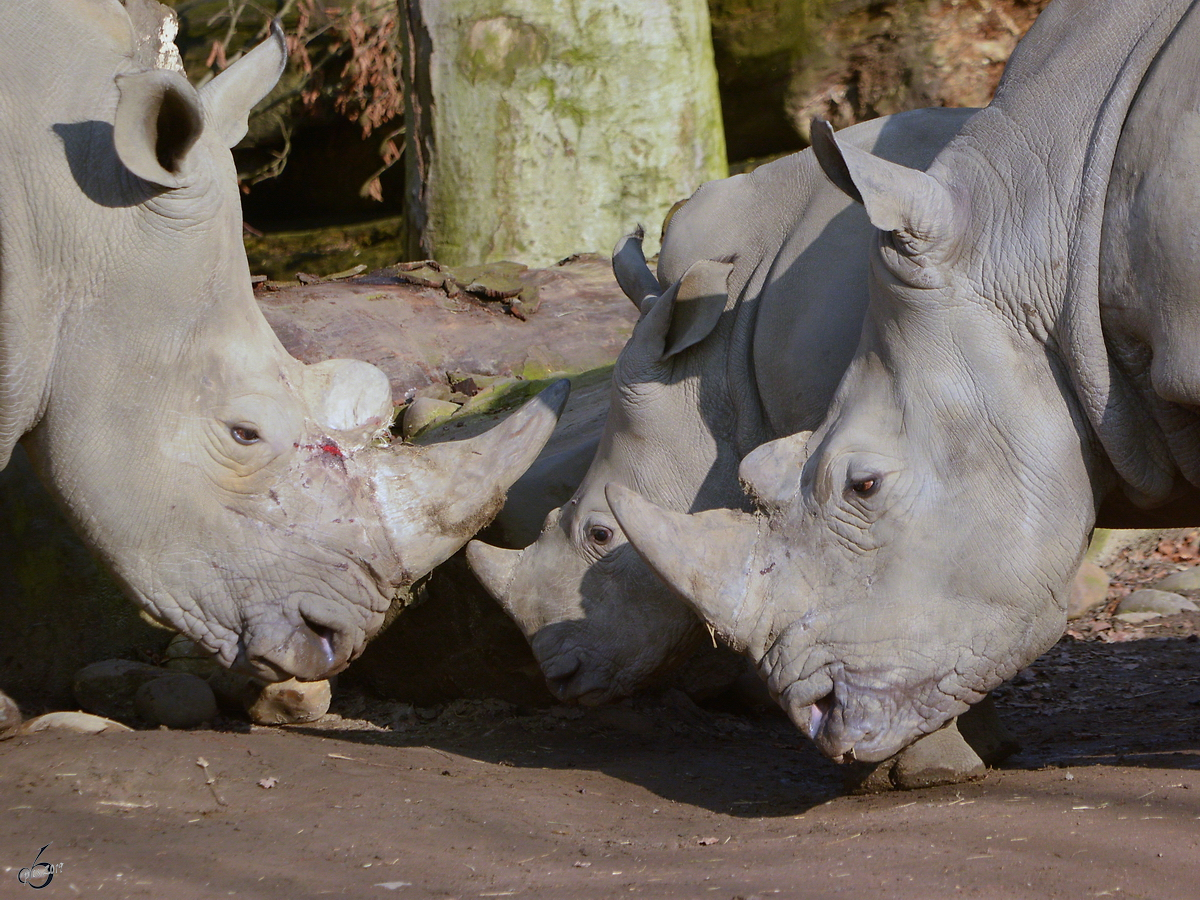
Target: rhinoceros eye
600	535
244	434
865	487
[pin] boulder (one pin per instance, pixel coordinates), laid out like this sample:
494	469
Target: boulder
1187	580
177	700
1158	602
108	688
291	703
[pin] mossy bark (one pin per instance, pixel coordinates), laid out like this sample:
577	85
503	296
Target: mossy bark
540	128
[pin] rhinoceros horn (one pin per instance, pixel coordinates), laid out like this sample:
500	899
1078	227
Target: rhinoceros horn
435	497
494	567
706	558
771	472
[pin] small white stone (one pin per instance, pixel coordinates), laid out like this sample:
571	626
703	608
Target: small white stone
77	722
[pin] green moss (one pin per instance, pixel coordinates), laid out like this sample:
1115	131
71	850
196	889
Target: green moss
498	47
325	251
500	398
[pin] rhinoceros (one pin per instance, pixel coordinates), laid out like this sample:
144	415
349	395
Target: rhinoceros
1027	369
723	358
253	503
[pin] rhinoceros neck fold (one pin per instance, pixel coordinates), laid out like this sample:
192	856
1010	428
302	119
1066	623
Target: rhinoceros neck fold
1056	147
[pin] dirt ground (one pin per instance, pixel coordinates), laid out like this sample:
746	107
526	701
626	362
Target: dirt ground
653	798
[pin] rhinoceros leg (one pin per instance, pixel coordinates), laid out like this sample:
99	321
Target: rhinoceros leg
10	716
960	751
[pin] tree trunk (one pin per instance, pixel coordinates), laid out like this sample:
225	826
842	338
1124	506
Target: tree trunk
548	127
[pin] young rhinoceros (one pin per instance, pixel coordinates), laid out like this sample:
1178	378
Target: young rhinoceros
1027	369
242	498
727	357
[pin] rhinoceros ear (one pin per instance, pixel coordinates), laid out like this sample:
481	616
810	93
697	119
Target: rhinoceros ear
633	275
688	310
229	98
771	473
157	123
905	201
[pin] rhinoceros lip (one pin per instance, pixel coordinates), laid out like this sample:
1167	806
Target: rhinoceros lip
824	720
578	683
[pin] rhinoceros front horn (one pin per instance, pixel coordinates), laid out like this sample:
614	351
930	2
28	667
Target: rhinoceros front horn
434	498
706	557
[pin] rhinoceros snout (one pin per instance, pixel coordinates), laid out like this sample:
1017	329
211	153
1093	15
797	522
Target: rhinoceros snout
574	678
308	651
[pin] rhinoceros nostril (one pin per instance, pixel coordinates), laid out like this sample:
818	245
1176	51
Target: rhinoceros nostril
560	674
819	712
322	639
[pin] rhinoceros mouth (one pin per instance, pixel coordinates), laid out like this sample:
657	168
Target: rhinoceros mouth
850	722
573	677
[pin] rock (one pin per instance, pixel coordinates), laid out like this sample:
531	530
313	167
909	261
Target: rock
1187	580
423	412
177	700
942	757
986	734
1089	590
1161	603
10	717
78	722
107	688
291	702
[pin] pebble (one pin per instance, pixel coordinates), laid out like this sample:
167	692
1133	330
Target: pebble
10	717
1161	603
1187	580
177	700
1089	590
77	722
291	702
107	688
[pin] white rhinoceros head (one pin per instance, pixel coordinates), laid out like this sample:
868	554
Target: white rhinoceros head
254	503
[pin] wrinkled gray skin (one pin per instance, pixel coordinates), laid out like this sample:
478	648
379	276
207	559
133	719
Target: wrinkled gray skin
244	499
1027	368
711	371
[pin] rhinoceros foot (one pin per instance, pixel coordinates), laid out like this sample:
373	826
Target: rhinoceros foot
10	717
